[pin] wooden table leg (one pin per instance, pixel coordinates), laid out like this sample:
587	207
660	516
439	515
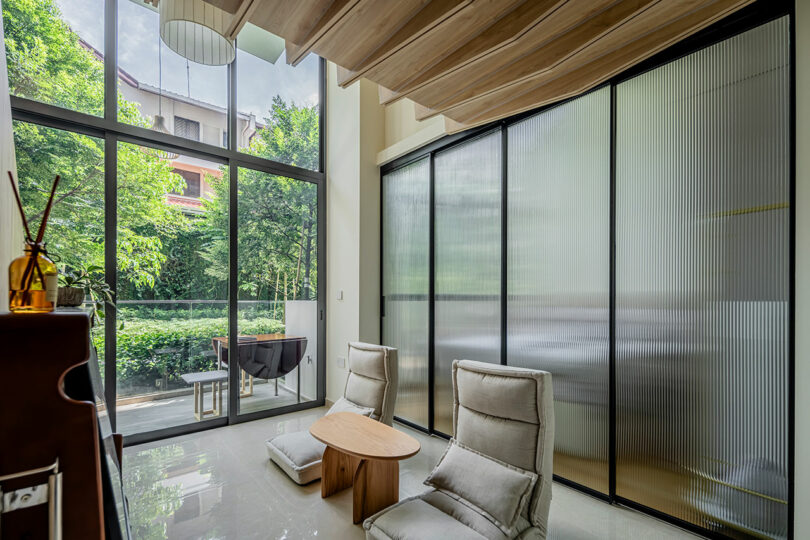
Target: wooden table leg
337	471
376	486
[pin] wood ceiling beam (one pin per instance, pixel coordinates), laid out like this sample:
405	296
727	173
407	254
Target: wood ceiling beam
370	24
501	34
293	21
229	6
423	22
541	59
449	35
590	75
336	11
241	17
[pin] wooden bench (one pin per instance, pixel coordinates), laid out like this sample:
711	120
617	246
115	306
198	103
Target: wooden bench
199	380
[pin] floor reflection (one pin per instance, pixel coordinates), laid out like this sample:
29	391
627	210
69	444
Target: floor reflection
219	484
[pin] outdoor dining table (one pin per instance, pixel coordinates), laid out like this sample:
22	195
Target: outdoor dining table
220	345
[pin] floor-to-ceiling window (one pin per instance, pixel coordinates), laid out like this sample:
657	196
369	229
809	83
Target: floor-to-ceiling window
195	191
635	243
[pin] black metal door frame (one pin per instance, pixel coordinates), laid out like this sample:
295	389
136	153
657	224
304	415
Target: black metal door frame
759	13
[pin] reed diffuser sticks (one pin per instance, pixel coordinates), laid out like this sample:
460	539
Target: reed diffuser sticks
34	244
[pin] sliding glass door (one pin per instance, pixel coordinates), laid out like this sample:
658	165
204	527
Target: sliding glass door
702	285
276	356
172	299
558	273
644	260
406	266
467	263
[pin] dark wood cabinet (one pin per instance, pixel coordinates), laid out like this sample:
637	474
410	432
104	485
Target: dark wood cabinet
52	412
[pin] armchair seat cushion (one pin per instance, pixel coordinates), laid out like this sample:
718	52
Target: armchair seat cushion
415	519
299	455
436	515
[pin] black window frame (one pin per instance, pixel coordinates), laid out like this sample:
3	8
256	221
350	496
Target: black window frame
112	131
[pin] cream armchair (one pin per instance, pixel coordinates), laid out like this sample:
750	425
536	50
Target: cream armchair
494	480
371	390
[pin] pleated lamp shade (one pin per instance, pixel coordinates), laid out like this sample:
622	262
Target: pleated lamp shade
196	30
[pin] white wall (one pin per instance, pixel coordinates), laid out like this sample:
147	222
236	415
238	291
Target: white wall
802	448
354	134
10	225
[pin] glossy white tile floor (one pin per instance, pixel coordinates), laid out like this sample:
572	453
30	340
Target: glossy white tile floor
219	484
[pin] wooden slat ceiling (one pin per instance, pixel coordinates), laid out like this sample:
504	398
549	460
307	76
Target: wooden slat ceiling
476	61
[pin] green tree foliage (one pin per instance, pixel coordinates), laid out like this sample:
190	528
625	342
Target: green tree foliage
277	215
48	63
162	253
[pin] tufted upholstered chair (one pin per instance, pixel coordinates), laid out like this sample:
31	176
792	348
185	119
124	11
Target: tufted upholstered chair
500	413
371	390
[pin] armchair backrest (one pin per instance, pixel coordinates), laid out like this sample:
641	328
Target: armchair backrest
508	413
372	380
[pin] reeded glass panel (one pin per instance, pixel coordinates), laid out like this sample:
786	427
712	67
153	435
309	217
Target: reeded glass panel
278	104
559	273
467	263
278	292
406	258
161	90
54	50
702	268
172	300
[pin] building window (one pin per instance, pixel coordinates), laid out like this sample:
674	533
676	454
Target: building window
188	129
193	183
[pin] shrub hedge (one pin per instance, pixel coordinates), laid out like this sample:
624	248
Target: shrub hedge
139	366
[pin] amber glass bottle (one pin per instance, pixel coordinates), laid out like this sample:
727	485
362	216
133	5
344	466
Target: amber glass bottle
40	297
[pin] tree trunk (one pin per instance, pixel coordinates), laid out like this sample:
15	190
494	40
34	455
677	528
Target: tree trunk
308	258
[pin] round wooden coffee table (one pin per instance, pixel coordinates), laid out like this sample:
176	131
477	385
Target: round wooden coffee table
364	453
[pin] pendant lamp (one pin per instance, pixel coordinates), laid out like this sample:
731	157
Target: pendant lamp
196	30
159	123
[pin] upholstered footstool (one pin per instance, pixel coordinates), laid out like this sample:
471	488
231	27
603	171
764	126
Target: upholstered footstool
298	454
371	390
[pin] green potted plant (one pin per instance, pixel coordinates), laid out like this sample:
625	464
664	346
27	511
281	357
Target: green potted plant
86	284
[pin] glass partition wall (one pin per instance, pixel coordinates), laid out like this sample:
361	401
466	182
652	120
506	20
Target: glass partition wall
195	192
635	243
406	263
558	277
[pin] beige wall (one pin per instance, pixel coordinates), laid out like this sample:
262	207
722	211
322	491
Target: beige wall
802	448
403	133
354	134
10	227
